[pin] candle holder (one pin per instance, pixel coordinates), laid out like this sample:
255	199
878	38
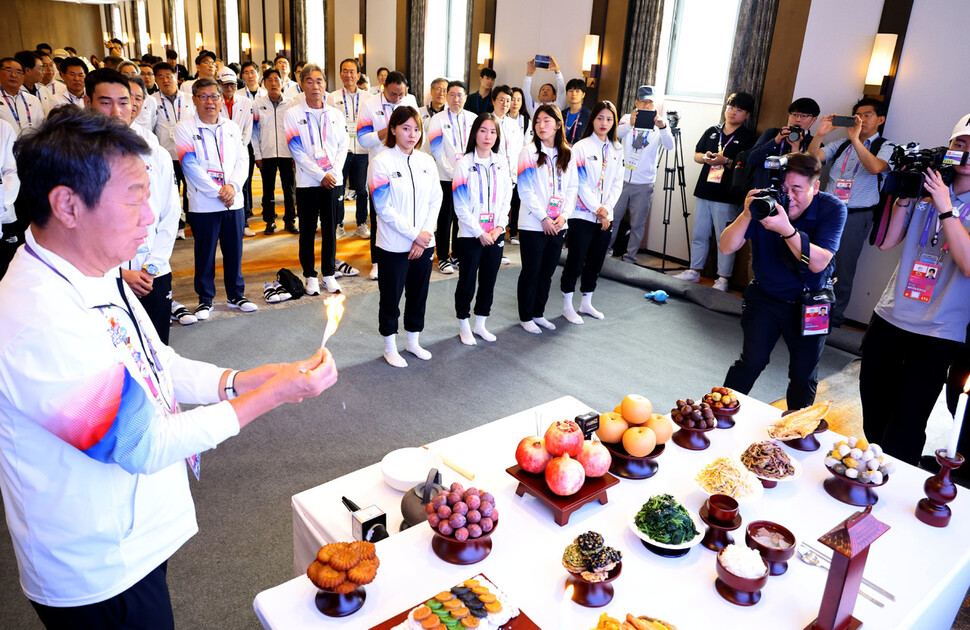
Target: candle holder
933	510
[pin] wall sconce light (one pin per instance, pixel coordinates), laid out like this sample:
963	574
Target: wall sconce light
484	48
124	38
107	36
161	40
358	44
279	43
591	59
245	42
199	43
880	62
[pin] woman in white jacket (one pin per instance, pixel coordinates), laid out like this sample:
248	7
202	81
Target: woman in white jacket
547	185
482	191
599	167
406	192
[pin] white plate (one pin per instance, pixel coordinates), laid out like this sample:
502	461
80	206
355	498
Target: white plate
759	490
698	525
797	465
405	468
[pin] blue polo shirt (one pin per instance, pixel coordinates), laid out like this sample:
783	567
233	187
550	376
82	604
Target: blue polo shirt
776	267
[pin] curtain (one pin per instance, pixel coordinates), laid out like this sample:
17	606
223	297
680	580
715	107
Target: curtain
471	56
752	44
643	47
416	26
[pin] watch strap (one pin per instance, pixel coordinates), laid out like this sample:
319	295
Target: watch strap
230	387
946	215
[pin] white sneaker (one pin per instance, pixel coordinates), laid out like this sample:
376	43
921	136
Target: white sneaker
180	235
362	231
312	286
721	284
340	232
446	267
373	272
242	304
506	261
330	284
182	315
689	275
247	231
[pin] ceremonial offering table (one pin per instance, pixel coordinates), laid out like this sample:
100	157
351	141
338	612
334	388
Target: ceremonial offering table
926	568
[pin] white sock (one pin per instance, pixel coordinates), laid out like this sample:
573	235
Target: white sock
391	354
568	311
587	307
465	332
545	323
531	327
480	328
415	348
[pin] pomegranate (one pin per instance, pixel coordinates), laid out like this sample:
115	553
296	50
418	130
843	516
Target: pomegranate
531	454
564	436
565	475
595	458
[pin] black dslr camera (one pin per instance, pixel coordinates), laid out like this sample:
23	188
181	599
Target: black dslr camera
763	204
794	134
910	164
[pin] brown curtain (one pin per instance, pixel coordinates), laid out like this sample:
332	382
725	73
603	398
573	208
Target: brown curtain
416	25
642	48
298	34
752	44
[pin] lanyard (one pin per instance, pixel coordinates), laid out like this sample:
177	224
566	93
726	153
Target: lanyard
939	226
492	192
176	103
356	103
846	160
219	145
572	127
384	106
603	170
13	108
720	136
552	176
456	139
321	129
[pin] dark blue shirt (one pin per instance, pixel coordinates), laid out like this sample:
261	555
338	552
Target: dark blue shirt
575	133
765	146
776	267
478	104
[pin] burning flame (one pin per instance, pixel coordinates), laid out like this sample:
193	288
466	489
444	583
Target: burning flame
335	310
966	386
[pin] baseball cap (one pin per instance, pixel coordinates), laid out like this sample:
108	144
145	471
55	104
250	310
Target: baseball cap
648	93
226	75
60	53
962	127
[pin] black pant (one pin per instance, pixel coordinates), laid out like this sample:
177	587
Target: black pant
446	233
588	243
901	378
355	178
310	204
248	186
410	277
158	305
513	228
268	173
224	228
11	240
540	255
475	259
763	320
145	606
180	184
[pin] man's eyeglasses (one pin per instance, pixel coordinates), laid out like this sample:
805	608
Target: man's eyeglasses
208	97
14	71
798	116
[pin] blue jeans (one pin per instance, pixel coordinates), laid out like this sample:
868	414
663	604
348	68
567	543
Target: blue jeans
711	216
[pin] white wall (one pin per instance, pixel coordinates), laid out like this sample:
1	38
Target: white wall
524	29
346	17
381	42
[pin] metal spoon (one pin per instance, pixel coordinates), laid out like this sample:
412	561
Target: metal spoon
809	557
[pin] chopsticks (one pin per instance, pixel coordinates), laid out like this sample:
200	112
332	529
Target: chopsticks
451	464
873	586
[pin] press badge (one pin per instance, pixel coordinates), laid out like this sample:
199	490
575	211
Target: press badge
843	188
715	173
555	207
218	177
815	319
922	279
630	161
487	221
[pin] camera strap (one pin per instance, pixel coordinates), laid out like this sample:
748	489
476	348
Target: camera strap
815	304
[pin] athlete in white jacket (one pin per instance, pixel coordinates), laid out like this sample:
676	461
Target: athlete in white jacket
272	152
406	194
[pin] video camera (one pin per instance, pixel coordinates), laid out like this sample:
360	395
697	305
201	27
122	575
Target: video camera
673	119
763	204
910	163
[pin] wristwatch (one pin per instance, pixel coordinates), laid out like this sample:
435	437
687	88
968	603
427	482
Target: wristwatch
946	215
151	269
230	387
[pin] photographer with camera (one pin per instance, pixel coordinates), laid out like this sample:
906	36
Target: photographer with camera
794	232
858	163
794	137
921	319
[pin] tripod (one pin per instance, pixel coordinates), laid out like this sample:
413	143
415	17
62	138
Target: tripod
669	171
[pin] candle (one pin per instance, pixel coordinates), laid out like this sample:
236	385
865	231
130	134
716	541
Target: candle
951	450
565	609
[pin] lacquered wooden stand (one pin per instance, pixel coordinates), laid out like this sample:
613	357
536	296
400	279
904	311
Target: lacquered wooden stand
940	490
594	489
340	604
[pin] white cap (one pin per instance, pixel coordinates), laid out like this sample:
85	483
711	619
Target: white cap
226	75
649	93
962	127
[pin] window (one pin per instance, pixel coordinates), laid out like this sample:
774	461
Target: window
702	37
143	38
232	32
316	50
180	42
444	42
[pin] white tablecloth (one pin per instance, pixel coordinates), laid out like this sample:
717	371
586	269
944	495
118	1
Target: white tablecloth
926	568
